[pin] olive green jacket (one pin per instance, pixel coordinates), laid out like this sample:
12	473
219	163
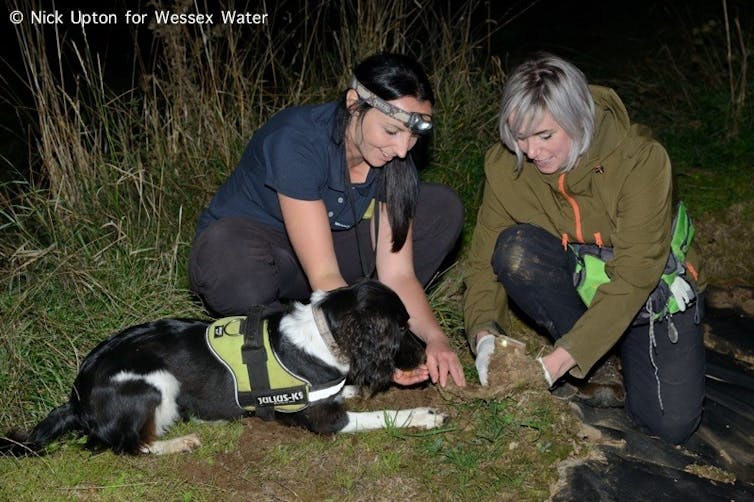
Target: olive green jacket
619	194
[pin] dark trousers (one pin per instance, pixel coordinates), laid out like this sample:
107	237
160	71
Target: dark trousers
237	262
537	274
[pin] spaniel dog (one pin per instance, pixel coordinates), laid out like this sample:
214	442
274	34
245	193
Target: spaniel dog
133	386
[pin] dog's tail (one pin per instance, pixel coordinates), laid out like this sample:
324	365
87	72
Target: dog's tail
60	421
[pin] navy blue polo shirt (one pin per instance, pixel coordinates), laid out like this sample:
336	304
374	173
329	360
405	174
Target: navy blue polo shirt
296	153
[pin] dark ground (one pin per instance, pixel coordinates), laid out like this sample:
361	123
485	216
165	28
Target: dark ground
717	463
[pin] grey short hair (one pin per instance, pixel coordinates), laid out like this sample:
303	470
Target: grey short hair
547	83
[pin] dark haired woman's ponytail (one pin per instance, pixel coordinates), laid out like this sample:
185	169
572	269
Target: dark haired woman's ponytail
400	181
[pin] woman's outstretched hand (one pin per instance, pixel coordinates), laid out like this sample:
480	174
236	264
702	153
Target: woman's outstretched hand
443	361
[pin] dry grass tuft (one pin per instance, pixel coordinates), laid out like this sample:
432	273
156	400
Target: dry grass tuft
726	243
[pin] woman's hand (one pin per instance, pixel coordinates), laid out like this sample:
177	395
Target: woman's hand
485	347
441	361
557	364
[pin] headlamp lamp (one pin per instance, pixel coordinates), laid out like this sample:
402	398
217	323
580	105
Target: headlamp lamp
419	123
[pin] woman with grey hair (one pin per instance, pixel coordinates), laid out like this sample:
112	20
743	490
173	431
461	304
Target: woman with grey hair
577	228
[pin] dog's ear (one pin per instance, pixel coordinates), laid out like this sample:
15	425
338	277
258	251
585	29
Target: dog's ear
371	341
368	322
411	351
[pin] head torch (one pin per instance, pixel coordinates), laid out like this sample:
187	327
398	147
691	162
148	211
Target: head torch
419	123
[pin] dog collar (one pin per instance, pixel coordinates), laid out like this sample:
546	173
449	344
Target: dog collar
326	334
329	390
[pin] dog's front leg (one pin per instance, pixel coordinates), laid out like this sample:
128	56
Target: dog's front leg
176	445
424	418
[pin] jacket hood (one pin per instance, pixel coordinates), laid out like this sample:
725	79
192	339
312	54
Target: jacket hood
611	128
611	125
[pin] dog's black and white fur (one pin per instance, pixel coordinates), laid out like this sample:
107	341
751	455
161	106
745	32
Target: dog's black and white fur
132	387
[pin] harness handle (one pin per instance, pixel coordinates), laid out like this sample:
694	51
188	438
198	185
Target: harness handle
254	356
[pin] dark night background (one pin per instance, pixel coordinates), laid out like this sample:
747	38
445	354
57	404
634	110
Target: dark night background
603	37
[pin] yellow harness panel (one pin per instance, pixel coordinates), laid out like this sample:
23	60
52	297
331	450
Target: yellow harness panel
287	393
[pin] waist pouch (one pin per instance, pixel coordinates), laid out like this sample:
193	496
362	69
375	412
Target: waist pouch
590	274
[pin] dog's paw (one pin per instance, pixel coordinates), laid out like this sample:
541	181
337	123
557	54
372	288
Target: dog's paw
190	442
426	418
178	445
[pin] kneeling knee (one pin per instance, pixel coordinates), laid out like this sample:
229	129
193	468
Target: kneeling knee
510	251
676	430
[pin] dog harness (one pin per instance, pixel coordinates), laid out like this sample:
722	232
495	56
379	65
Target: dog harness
263	383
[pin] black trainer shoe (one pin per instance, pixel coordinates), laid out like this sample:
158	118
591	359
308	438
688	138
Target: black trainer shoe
604	387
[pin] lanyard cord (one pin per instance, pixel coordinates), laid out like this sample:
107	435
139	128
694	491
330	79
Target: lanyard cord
365	268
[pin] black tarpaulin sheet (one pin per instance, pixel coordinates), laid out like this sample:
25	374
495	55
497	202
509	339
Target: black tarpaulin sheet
717	463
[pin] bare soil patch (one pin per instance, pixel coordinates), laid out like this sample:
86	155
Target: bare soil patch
347	467
253	469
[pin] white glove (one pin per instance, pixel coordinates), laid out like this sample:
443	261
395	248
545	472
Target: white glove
485	347
682	292
548	377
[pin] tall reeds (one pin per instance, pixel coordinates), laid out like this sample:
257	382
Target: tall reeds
97	238
738	46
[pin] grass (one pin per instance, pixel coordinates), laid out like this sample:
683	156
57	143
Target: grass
446	465
70	472
695	91
98	238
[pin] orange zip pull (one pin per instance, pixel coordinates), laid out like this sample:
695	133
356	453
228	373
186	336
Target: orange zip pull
574	207
692	271
564	242
598	239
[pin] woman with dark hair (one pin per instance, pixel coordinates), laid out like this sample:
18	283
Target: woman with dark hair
325	195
